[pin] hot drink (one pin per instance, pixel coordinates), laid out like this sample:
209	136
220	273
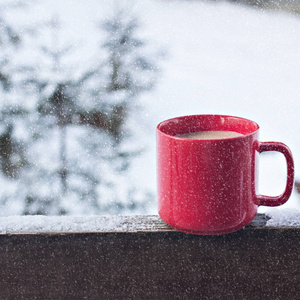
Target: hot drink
210	135
208	185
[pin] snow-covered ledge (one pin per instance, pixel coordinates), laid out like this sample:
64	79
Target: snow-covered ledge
140	257
90	224
275	218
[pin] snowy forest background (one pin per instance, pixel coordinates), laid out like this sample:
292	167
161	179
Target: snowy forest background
84	84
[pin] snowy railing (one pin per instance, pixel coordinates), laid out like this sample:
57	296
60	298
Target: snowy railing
140	257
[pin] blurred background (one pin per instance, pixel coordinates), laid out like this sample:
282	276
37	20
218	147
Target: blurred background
83	85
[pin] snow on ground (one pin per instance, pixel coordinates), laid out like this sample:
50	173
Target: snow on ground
221	58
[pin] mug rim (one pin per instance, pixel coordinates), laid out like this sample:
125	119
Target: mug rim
158	127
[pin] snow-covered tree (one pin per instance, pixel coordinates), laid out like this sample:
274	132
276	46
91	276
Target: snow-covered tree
14	111
9	40
12	150
56	92
126	68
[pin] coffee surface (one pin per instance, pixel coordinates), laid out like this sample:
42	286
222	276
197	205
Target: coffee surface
210	135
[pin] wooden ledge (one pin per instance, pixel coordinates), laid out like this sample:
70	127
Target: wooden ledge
142	258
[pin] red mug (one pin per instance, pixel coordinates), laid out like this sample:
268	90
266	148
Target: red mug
209	186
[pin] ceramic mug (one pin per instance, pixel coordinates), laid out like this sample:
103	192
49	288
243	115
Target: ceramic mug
209	187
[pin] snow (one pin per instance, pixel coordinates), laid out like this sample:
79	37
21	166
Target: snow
44	224
71	224
284	217
221	58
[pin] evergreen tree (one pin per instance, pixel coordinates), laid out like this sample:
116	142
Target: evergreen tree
56	108
13	112
9	40
12	151
126	69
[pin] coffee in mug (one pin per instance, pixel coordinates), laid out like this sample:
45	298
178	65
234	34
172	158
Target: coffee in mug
209	185
209	135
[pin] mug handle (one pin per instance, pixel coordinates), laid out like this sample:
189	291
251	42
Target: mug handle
281	199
